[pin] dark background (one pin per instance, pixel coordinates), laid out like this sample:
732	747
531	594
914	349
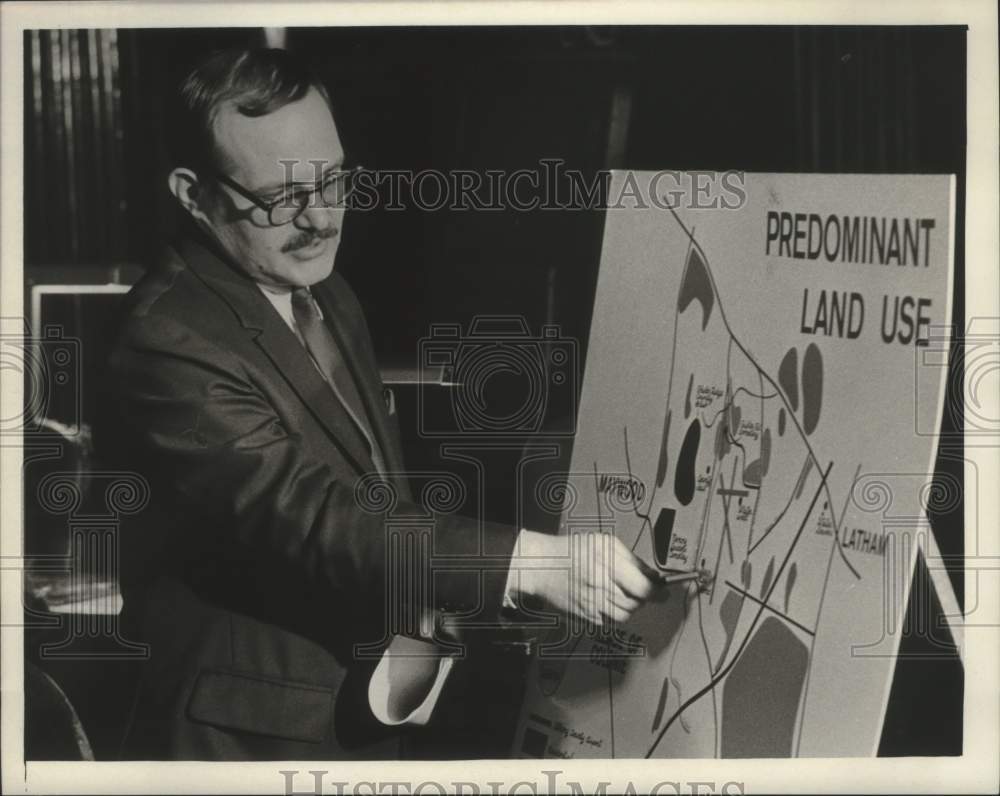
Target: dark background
793	99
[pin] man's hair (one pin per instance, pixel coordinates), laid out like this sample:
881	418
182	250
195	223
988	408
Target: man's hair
256	81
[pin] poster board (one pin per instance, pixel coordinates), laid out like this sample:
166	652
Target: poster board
755	393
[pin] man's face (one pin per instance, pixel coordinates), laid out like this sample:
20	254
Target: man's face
254	152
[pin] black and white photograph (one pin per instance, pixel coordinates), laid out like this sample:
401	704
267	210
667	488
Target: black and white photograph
499	398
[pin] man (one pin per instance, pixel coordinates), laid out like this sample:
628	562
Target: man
244	386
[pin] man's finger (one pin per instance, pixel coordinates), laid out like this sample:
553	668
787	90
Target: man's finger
623	600
648	571
630	577
615	615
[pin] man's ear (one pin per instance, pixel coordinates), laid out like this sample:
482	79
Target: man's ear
184	185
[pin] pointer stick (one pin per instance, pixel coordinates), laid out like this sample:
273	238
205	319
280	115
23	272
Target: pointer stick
700	575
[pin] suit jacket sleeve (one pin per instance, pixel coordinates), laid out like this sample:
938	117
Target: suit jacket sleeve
202	428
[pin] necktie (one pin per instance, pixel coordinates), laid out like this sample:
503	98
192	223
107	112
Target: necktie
330	362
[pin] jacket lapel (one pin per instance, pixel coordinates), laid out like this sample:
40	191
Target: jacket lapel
361	362
281	347
292	360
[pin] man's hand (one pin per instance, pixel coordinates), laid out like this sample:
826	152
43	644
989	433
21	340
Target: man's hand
590	575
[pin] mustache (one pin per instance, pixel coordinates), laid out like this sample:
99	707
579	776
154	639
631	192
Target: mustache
307	238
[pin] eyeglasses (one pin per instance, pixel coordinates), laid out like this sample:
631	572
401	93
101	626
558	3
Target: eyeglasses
333	191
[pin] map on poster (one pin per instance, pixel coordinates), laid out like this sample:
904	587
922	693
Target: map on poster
753	390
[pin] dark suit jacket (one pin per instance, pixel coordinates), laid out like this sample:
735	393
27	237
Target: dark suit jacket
256	571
